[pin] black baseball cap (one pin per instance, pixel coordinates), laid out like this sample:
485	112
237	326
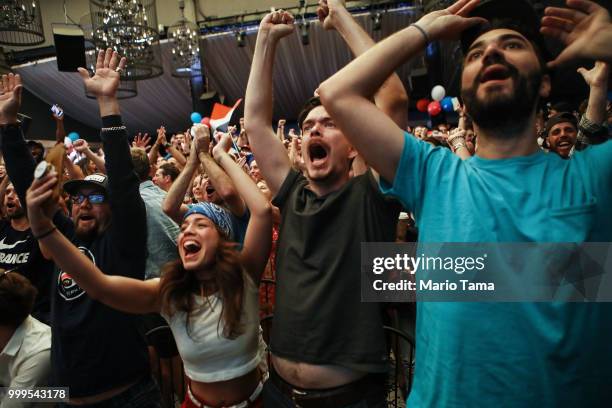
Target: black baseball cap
560	118
97	180
517	15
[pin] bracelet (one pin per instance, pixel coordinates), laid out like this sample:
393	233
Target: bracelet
112	129
418	27
458	146
45	234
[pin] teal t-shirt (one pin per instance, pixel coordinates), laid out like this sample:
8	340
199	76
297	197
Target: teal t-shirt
509	354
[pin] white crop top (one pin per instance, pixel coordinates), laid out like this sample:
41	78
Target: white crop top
207	355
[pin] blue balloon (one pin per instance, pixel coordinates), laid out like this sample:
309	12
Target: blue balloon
447	104
73	136
196	117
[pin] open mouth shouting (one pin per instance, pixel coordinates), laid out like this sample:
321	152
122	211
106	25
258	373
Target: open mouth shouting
317	153
565	143
495	72
85	219
191	248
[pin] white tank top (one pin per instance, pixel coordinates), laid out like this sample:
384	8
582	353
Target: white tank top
207	355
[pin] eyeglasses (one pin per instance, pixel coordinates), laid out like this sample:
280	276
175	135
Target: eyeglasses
92	198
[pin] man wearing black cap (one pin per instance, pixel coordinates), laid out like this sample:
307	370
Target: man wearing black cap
490	354
98	352
561	131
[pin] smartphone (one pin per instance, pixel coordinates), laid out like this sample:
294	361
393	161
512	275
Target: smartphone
57	111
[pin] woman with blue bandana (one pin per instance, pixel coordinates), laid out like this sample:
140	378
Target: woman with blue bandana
209	296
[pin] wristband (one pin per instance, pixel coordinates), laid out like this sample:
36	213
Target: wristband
45	234
418	27
113	128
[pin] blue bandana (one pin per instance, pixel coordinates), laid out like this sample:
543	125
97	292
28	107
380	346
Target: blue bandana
219	215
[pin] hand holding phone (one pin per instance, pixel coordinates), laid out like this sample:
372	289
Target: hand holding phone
57	111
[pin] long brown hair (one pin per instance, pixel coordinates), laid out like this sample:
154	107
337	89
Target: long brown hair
178	286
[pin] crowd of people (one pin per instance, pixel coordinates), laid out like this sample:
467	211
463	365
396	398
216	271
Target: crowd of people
100	245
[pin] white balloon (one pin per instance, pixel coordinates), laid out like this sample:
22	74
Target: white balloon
438	93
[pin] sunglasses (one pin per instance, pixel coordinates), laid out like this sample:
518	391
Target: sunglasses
92	198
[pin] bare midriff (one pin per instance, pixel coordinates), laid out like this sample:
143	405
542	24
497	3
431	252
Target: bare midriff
228	392
311	376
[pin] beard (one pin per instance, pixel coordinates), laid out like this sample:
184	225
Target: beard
504	114
86	234
17	213
89	233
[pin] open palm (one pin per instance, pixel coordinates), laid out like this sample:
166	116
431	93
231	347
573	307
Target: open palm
106	79
576	27
10	99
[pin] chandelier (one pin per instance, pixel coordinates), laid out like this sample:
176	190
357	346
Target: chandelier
127	89
183	37
21	23
130	28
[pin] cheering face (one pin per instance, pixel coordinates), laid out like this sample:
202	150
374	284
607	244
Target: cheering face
90	218
561	138
210	193
197	190
326	152
12	205
254	172
198	242
502	78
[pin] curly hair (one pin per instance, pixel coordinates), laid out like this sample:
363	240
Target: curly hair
178	286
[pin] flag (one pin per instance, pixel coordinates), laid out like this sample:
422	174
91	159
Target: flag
221	116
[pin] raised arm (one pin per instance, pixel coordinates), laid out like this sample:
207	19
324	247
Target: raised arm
222	183
129	226
258	238
60	131
82	147
119	292
173	203
346	95
269	151
19	161
391	98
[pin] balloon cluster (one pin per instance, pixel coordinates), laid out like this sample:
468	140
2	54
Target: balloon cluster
440	102
197	118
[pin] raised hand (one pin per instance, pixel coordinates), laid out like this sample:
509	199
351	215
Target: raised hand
80	145
596	76
224	145
448	24
141	140
10	99
327	11
161	136
56	117
201	143
580	28
106	79
41	207
277	24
